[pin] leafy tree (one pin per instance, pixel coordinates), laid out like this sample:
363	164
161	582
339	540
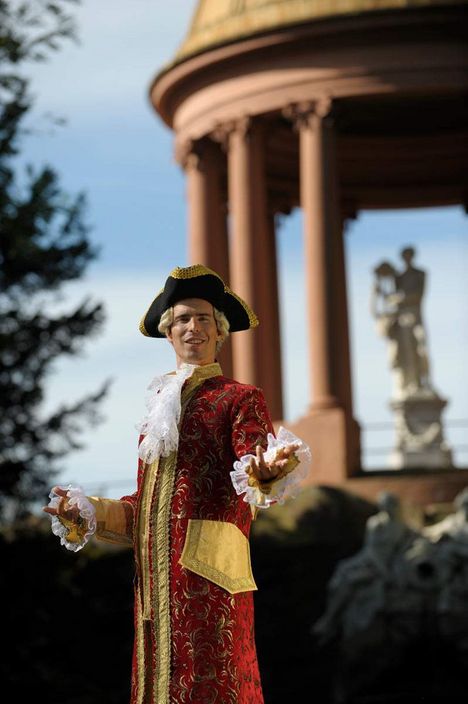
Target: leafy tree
43	244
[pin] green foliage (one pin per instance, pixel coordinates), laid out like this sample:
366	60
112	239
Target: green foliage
44	244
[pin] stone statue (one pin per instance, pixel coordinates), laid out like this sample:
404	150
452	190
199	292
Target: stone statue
357	589
396	306
455	525
451	541
405	587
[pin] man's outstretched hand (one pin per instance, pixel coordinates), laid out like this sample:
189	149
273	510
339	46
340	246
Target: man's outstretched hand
265	472
64	510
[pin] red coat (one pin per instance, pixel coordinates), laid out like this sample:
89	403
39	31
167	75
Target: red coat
194	639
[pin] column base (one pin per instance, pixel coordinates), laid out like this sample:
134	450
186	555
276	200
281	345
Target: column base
334	441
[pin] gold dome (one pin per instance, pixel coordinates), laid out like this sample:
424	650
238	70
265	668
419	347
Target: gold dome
217	22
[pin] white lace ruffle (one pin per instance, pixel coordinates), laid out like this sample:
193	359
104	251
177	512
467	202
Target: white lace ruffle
284	488
76	497
160	425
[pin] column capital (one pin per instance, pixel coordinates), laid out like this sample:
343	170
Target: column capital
187	153
241	126
306	113
191	152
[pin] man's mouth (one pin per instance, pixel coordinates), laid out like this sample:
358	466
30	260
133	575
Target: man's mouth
194	341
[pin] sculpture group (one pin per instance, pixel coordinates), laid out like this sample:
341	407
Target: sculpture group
404	586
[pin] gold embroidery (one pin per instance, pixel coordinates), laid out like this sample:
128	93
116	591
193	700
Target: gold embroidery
190	272
219	551
161	548
161	560
142	534
143	608
140	648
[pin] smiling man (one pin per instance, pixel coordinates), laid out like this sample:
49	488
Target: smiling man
193	332
208	460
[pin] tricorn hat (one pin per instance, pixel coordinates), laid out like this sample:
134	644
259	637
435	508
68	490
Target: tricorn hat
198	281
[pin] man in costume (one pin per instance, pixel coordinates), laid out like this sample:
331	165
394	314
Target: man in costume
208	460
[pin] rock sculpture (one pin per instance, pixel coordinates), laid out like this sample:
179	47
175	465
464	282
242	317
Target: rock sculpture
357	590
421	575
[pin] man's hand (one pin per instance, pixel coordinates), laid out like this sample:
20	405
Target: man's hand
64	510
265	472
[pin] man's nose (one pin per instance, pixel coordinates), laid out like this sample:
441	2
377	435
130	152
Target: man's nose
193	325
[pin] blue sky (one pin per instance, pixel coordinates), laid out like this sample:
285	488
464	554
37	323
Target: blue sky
116	149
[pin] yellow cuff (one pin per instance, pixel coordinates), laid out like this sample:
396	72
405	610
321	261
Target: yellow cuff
114	519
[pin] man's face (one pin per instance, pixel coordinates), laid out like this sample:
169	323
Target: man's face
193	333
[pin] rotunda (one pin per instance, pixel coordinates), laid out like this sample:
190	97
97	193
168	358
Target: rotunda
333	106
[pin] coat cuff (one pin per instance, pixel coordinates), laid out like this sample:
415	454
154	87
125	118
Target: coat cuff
74	534
263	494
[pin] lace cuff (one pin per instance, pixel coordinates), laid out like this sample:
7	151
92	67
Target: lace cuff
74	535
263	494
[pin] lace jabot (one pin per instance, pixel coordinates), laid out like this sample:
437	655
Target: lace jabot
160	426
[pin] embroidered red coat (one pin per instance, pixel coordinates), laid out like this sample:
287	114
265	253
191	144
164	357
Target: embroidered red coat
194	627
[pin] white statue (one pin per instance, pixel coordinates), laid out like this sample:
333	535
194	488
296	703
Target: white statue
396	305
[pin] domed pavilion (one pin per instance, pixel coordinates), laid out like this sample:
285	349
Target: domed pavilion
332	106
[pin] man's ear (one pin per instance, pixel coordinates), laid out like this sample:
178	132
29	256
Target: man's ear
169	335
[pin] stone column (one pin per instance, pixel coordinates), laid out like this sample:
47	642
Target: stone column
272	367
341	347
207	230
207	221
329	426
319	204
252	261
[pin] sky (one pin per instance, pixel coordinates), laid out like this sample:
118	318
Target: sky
116	149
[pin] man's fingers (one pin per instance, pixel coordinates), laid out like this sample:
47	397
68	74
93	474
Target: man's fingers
288	450
261	464
59	491
251	467
52	511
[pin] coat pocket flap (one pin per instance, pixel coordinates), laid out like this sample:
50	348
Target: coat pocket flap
220	552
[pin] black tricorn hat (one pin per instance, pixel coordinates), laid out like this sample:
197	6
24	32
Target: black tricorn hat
198	281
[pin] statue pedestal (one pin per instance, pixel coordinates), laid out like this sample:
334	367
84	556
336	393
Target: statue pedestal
420	440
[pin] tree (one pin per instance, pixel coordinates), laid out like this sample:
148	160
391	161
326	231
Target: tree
43	244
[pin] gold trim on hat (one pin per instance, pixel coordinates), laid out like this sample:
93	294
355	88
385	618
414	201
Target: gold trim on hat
191	272
141	326
253	320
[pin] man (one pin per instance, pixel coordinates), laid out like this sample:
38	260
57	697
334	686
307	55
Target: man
201	448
